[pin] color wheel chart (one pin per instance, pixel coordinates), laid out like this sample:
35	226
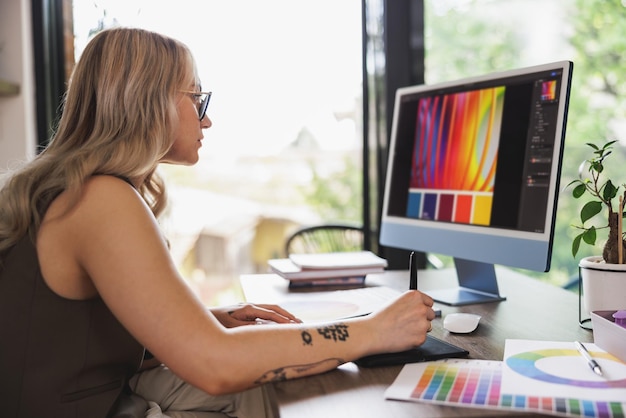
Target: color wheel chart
478	384
557	370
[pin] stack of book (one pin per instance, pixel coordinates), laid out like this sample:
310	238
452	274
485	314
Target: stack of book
340	268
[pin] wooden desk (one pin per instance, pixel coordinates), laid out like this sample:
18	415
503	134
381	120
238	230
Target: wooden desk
533	310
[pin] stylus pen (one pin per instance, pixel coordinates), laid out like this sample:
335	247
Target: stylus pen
413	278
412	271
592	363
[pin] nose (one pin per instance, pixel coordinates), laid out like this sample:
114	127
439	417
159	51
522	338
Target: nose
206	122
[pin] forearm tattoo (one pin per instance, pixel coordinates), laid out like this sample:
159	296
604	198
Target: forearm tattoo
338	332
290	372
334	332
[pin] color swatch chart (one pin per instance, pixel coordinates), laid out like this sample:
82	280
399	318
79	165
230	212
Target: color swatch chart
477	383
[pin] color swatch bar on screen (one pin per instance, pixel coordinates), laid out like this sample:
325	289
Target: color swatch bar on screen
460	207
477	383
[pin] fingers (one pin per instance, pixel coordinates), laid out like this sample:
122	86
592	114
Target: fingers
254	314
430	314
268	316
428	301
423	312
275	309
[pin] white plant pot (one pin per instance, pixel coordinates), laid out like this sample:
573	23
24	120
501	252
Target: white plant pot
604	285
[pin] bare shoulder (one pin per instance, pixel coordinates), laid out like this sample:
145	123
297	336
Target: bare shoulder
110	197
108	204
105	185
101	189
107	210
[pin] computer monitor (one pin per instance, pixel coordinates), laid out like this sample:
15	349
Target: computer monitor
473	173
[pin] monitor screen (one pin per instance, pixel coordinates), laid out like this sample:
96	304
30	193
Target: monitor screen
473	172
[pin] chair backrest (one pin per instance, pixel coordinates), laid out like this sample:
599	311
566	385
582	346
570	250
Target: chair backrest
325	238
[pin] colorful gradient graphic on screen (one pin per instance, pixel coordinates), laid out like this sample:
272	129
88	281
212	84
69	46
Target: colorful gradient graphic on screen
455	156
548	90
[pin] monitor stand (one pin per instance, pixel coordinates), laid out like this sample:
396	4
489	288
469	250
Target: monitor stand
477	284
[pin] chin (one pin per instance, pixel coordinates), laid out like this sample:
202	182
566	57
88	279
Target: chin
188	162
192	160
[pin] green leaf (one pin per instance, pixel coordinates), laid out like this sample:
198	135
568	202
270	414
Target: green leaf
579	191
590	210
609	191
589	236
572	182
594	146
576	244
608	144
596	166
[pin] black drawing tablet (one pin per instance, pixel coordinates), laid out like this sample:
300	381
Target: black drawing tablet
432	349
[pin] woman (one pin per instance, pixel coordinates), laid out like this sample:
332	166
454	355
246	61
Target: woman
86	280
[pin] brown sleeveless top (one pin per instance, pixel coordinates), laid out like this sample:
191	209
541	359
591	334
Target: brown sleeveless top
58	357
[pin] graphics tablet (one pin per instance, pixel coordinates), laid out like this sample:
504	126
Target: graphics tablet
432	349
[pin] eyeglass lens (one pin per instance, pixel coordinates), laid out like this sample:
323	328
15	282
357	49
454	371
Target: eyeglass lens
204	104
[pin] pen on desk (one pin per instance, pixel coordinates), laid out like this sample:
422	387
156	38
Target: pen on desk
592	363
412	271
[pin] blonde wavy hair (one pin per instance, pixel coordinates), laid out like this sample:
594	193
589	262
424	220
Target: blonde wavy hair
118	118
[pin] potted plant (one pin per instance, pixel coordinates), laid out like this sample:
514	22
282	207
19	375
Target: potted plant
603	277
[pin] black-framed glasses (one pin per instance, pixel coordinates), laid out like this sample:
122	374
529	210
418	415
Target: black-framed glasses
202	101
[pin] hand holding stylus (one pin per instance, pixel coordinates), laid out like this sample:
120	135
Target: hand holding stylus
413	277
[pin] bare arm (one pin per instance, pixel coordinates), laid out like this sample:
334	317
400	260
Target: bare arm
113	240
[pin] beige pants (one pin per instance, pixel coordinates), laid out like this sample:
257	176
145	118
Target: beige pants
170	397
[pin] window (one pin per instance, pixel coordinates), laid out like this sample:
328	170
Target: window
471	37
285	146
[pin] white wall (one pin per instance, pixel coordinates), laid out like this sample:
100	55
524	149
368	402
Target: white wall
17	113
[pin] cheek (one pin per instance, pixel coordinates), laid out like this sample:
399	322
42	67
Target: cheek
181	127
183	150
